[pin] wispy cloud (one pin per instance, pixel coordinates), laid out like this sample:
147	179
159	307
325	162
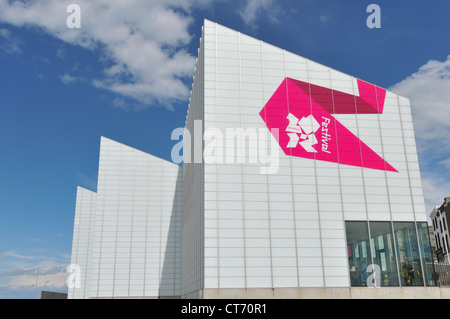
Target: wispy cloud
8	43
67	79
21	272
52	277
61	54
14	255
254	9
446	164
86	182
324	18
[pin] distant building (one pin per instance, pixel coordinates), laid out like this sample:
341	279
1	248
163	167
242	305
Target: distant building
439	218
432	242
53	295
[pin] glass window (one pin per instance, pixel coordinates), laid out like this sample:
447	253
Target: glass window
358	252
383	252
408	254
442	243
427	257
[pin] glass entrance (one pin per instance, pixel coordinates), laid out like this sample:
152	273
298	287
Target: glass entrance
359	256
392	253
408	254
383	252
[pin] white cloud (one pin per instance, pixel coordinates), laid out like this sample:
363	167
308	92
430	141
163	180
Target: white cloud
429	92
144	42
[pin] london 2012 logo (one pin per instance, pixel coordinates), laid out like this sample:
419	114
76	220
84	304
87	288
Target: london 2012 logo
302	112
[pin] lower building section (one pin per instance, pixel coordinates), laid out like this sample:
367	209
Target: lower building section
330	293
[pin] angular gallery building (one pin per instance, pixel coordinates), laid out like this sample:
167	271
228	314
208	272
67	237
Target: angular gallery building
127	235
297	181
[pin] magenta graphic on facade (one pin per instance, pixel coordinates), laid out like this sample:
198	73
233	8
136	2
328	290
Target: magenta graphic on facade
302	112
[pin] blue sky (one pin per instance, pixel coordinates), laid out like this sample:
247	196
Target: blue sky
127	73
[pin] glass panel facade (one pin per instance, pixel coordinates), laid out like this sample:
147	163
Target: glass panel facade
383	252
427	258
408	254
392	253
359	256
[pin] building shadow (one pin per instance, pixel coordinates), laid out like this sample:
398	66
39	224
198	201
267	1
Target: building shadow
170	280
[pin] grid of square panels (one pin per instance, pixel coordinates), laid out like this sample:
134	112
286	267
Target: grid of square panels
137	239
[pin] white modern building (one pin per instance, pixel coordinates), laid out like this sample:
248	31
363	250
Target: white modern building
127	235
296	177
